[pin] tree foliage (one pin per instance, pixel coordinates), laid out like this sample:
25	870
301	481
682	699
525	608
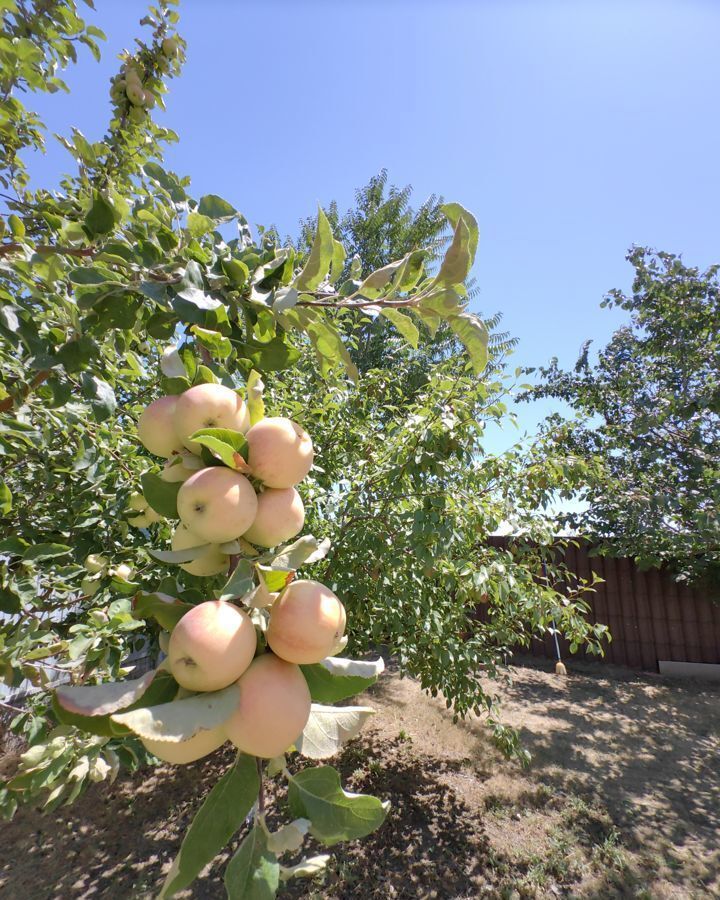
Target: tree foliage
650	414
121	286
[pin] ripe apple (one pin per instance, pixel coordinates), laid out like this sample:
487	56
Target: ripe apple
181	752
280	452
280	516
306	622
211	562
211	646
273	710
156	428
209	406
217	503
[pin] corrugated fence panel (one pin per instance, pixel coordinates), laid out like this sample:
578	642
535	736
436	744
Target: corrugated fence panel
650	615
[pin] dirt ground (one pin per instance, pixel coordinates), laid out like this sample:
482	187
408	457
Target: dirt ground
622	799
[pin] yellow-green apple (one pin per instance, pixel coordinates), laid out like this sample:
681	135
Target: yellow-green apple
96	563
137	501
280	516
280	452
124	572
181	752
211	646
306	622
211	562
273	709
217	504
156	428
147	517
209	406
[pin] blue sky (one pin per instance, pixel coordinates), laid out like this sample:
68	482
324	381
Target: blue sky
571	129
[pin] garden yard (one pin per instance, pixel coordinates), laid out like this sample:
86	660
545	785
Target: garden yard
622	799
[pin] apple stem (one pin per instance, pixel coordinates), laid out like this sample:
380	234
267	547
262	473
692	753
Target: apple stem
261	791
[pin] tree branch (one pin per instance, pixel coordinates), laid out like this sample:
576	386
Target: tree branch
8	403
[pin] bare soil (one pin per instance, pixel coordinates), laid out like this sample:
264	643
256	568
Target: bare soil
622	799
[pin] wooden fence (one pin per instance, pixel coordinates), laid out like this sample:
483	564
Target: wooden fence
650	616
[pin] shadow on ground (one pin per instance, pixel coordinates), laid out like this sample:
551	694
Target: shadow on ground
622	800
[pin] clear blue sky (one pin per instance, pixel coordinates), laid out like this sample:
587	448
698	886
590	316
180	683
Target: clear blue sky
571	129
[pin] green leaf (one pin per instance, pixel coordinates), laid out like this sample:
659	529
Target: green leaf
254	872
404	325
443	302
220	816
90	275
176	557
329	728
101	396
458	259
240	582
285	298
316	794
161	495
10	603
100	725
255	388
330	348
411	271
166	610
182	719
5	499
318	262
101	216
230	446
215	342
216	208
13	546
199	225
377	282
473	333
303	551
236	271
160	689
273	578
455	212
273	356
306	868
45	551
336	679
102	699
338	261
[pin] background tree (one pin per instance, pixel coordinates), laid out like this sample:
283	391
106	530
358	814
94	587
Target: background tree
650	413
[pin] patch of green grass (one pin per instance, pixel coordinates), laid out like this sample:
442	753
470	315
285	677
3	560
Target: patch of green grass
498	805
609	852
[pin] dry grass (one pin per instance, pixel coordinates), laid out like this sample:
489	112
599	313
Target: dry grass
622	800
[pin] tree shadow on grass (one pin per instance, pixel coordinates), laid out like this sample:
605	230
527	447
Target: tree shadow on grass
645	748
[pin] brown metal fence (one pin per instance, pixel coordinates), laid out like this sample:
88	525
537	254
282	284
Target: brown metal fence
650	616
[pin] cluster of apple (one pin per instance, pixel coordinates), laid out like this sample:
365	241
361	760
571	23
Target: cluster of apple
217	504
215	644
